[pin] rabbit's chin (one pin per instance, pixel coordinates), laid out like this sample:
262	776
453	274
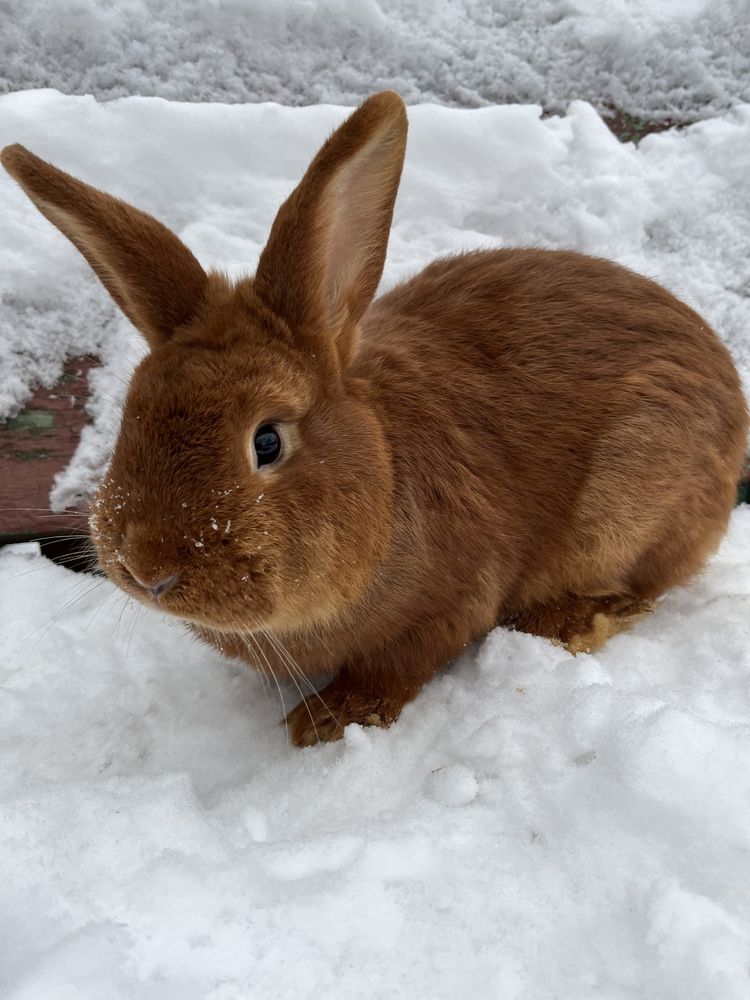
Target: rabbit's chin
206	621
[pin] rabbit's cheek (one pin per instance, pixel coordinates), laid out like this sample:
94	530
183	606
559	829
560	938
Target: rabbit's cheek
106	523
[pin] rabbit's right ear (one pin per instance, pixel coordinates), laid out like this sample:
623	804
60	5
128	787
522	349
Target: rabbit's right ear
147	270
324	258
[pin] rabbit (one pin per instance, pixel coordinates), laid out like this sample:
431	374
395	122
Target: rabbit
331	486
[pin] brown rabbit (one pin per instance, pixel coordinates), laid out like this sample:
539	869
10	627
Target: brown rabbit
323	484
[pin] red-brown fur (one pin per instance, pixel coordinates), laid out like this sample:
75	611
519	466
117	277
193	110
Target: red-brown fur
522	436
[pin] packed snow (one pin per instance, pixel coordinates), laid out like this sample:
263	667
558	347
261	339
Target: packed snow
683	59
535	826
676	207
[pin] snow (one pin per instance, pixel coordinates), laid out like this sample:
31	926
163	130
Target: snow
678	58
675	207
536	825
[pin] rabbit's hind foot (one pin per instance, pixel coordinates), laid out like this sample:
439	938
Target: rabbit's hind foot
581	622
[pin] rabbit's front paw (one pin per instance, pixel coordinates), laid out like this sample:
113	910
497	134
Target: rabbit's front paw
322	717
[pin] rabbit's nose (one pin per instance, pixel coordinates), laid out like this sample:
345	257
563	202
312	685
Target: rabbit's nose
137	559
162	586
155	587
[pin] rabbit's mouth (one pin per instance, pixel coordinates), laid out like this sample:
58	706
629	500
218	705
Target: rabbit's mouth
217	589
194	598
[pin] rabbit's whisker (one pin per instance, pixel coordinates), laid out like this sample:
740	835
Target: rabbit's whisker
295	668
84	588
293	671
244	639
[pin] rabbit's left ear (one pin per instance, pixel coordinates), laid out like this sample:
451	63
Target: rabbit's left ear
147	270
324	258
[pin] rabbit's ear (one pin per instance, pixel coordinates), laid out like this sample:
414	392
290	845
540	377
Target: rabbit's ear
147	270
324	258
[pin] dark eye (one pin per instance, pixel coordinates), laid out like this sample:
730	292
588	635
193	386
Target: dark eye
267	444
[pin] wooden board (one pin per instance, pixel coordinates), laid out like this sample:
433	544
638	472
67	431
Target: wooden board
37	444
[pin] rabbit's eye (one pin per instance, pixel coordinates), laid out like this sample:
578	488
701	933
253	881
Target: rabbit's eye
267	444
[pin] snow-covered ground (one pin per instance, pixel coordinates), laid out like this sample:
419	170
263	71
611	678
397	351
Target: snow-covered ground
676	207
684	59
536	826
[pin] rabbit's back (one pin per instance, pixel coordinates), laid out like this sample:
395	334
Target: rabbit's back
599	418
573	320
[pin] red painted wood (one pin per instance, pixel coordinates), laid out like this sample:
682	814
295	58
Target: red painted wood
35	446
